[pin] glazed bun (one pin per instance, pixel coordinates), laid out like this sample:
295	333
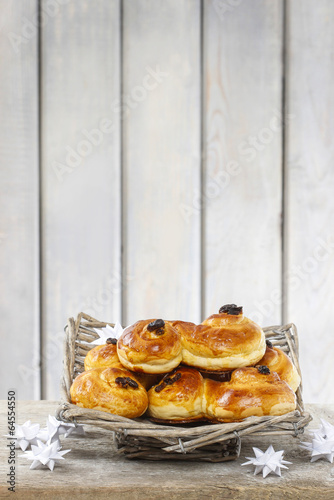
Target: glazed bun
150	346
184	396
103	356
223	341
112	390
277	361
251	391
178	398
183	327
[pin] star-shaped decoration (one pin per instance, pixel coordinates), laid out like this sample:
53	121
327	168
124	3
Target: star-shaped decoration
322	445
25	434
108	332
68	428
326	430
268	461
55	428
320	448
50	433
45	454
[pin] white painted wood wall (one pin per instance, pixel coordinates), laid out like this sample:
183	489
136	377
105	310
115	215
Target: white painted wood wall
160	158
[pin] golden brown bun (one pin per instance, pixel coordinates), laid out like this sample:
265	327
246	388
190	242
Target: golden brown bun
113	390
178	398
144	348
248	393
102	356
105	356
182	326
223	341
277	361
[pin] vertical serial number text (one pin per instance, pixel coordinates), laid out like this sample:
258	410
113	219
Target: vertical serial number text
11	419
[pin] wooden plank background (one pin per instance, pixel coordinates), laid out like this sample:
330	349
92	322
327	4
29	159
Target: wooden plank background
310	187
243	157
19	177
81	190
161	158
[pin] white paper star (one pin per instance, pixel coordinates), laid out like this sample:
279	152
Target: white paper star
45	454
322	445
73	429
56	428
43	435
108	332
268	461
326	430
25	435
50	434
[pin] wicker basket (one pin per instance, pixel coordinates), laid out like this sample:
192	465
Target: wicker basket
141	438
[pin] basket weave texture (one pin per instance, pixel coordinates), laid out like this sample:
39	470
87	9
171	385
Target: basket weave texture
141	438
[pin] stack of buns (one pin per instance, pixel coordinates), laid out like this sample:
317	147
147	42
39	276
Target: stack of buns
222	370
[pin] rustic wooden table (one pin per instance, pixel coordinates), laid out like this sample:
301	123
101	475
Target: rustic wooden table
92	470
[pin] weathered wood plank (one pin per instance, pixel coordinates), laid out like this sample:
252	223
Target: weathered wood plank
161	151
242	157
19	180
309	191
91	470
81	171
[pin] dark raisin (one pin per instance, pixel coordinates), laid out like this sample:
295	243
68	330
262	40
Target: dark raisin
168	380
126	382
231	309
132	383
167	377
121	381
111	341
269	344
177	377
156	326
263	369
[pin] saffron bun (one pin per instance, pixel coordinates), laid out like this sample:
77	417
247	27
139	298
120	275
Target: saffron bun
178	398
277	361
150	346
183	327
250	392
224	341
105	356
185	396
102	356
112	390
